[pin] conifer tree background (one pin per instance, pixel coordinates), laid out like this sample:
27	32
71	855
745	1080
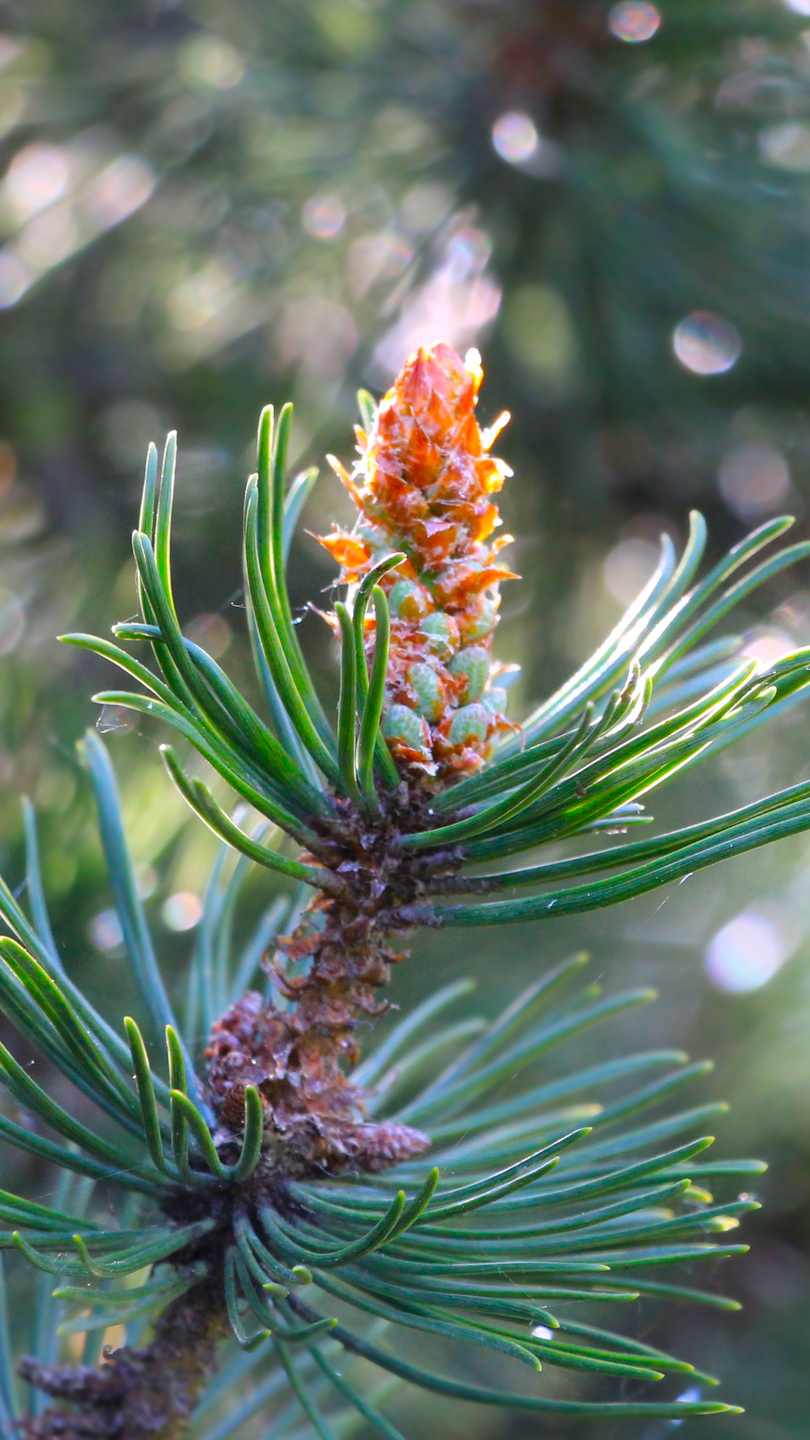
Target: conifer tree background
206	206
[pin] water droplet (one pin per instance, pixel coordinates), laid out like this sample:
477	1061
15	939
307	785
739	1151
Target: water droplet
542	1332
634	21
515	137
706	344
182	911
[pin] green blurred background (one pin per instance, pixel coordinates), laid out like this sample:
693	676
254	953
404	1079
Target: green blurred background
209	204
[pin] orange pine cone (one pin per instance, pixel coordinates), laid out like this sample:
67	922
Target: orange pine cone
423	485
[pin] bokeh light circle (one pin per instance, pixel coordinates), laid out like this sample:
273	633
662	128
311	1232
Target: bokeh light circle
182	911
634	21
706	343
37	176
746	953
628	567
754	479
105	932
514	136
323	216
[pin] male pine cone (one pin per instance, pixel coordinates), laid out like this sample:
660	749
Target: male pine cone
423	485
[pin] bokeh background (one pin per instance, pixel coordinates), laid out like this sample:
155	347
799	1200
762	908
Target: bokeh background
209	204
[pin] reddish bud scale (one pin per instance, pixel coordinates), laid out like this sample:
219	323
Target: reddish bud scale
423	485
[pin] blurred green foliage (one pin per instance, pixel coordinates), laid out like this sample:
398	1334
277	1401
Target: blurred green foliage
205	206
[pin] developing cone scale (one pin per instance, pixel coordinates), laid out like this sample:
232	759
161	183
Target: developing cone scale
423	485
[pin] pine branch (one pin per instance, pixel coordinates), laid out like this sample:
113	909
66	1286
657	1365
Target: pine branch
286	1162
